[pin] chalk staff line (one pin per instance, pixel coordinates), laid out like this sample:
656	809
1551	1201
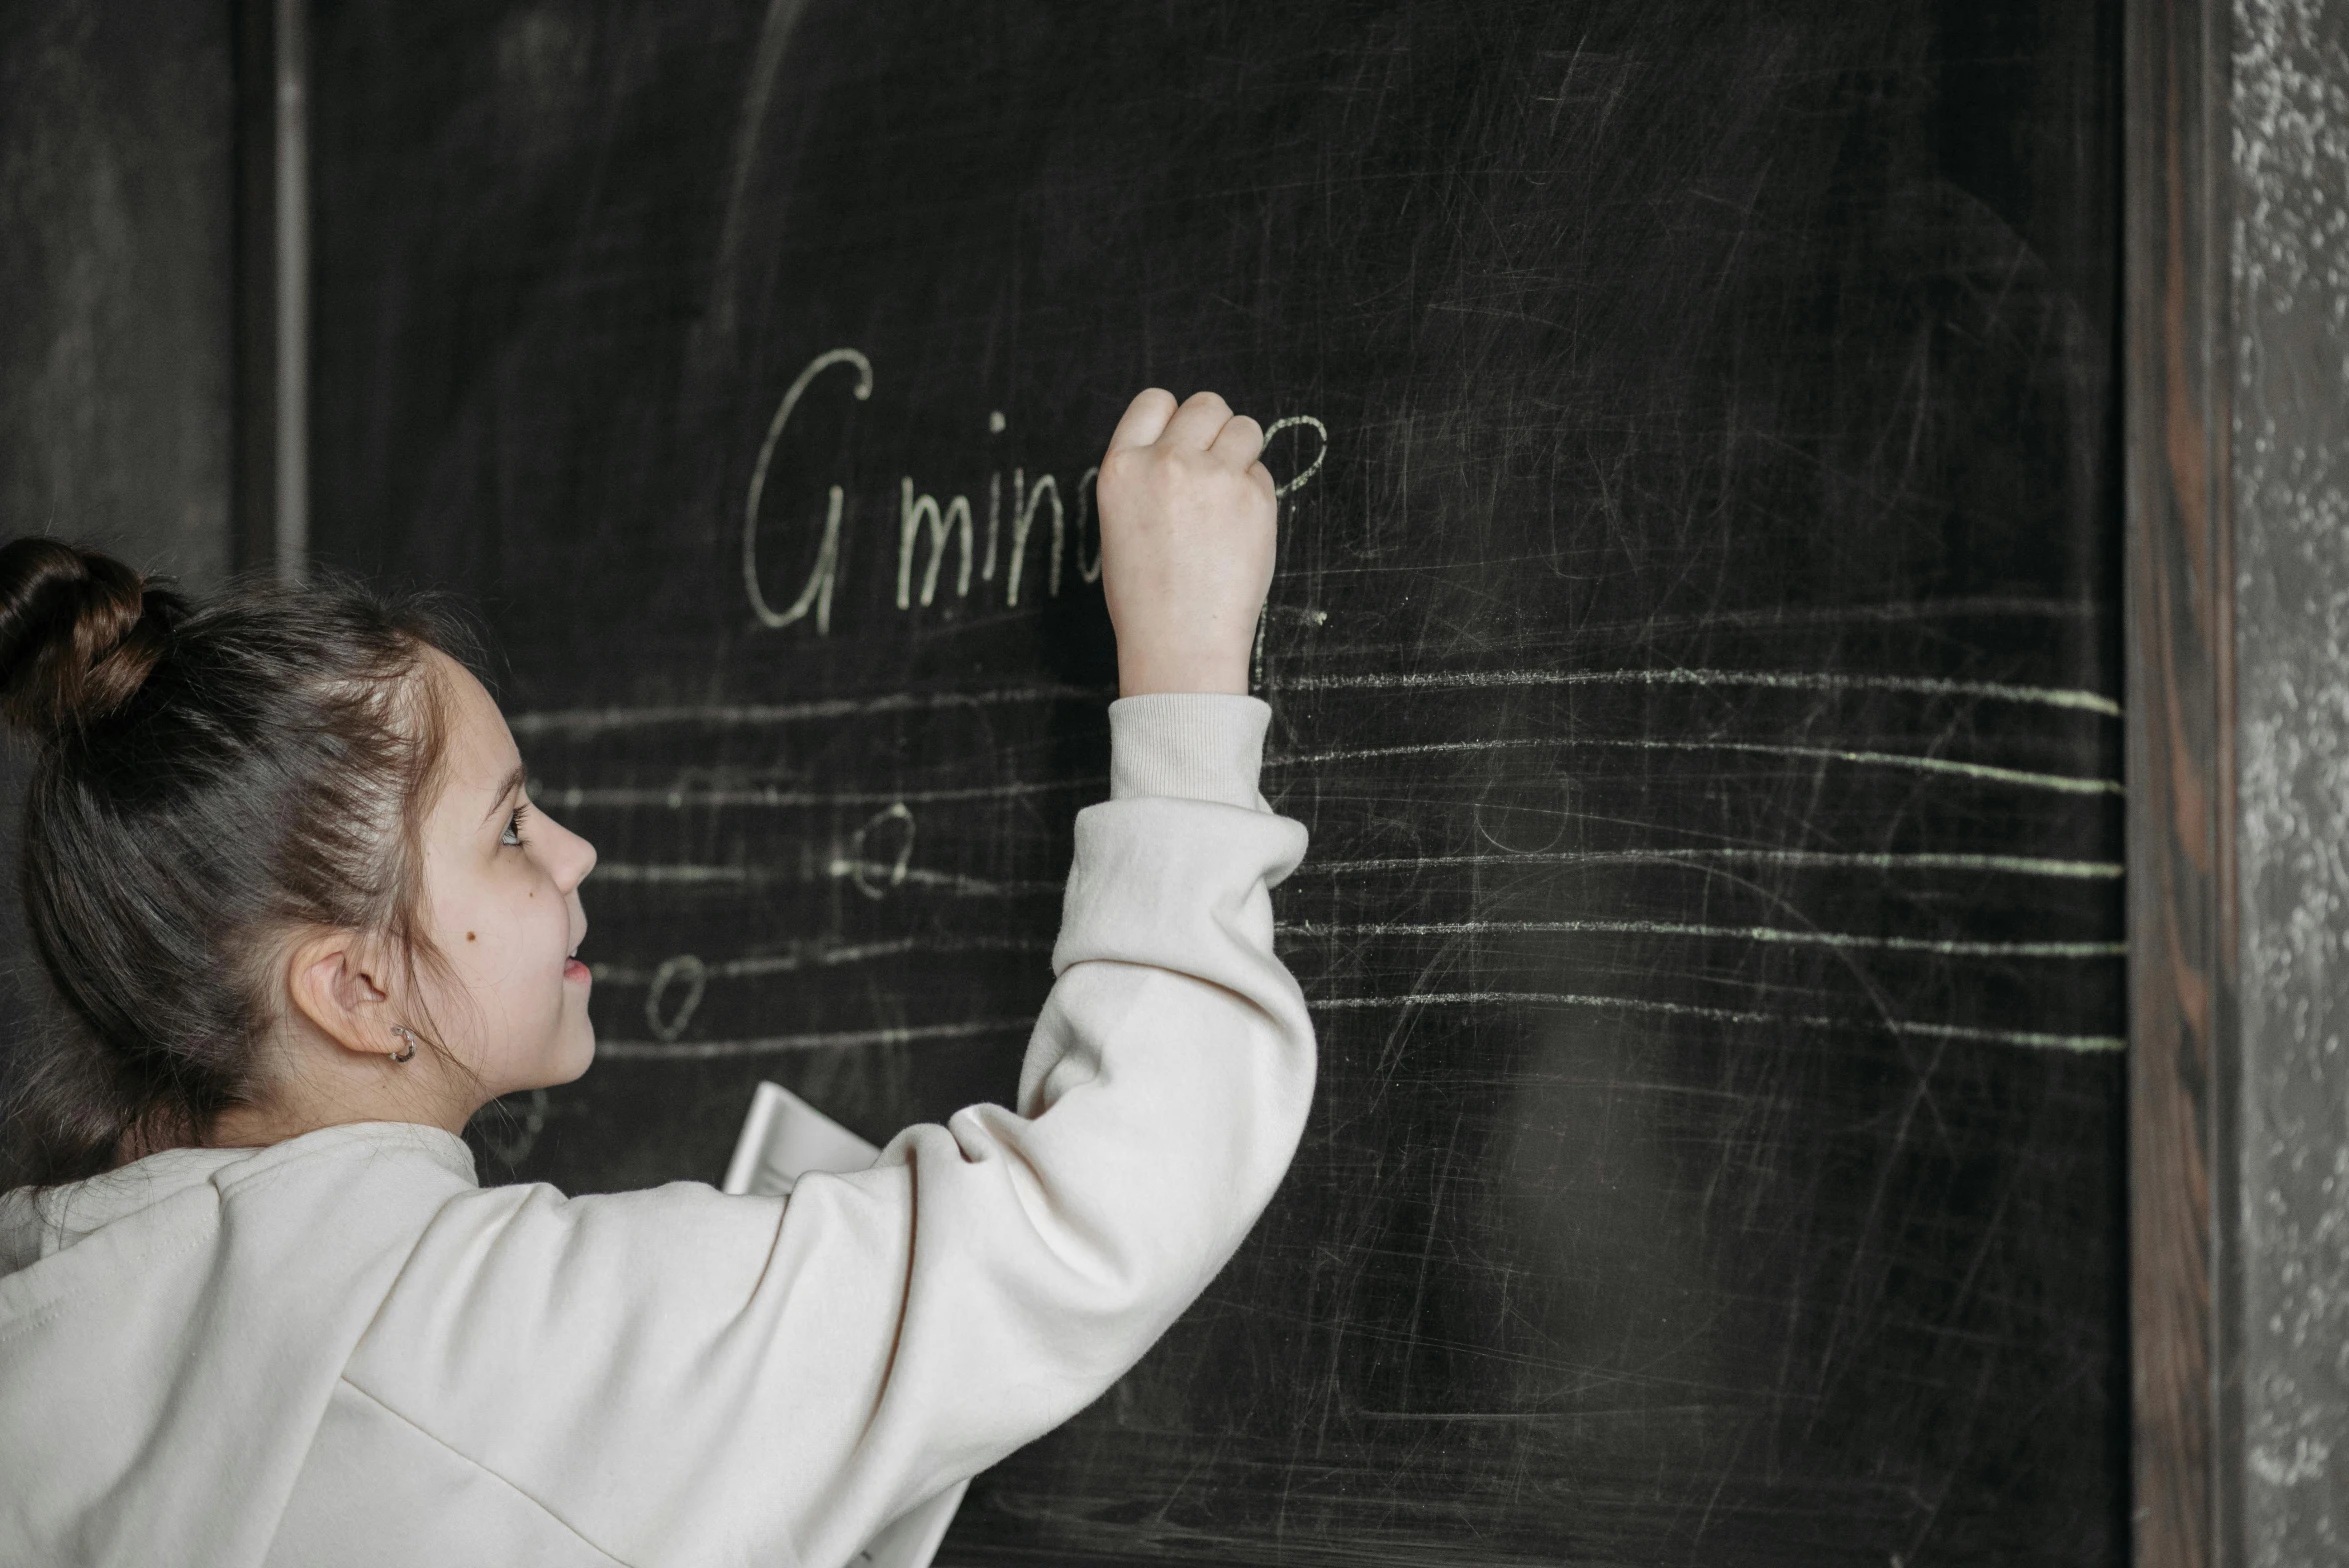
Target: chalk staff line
2062	782
1795	680
759	966
877	873
575	797
815	1040
1772	934
873	872
596	721
1826	859
819	957
824	1040
762	965
2029	1037
590	721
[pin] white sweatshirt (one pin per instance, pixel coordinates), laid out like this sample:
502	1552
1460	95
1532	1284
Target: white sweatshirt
342	1350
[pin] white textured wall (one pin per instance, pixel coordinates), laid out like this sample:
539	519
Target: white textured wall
2291	157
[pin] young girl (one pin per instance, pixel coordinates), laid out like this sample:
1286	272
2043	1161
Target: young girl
254	1308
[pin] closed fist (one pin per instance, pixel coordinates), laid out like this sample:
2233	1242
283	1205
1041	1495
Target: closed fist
1186	543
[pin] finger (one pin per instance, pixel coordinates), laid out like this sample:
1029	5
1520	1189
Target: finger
1239	441
1263	478
1197	423
1144	420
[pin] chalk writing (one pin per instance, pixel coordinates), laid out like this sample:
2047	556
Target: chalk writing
1945	947
815	1040
818	590
818	955
682	797
674	989
874	878
1453	680
1303	476
1017	536
598	721
947	524
1727	1015
876	881
670	1024
910	513
2061	782
2005	865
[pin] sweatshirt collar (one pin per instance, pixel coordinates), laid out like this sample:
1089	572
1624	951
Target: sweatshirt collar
437	1144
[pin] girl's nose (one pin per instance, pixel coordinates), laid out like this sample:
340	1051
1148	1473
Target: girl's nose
571	857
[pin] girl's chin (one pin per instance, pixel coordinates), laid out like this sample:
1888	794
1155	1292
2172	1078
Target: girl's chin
578	1053
565	1059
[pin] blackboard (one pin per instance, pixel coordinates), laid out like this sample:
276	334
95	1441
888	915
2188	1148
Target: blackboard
1694	652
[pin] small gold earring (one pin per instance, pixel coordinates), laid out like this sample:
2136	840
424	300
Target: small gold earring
407	1051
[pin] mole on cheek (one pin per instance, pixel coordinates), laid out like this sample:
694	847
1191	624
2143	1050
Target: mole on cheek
468	936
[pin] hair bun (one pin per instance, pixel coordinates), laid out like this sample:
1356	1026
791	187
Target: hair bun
79	633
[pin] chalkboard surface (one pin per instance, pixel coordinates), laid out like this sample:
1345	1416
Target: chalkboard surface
1693	653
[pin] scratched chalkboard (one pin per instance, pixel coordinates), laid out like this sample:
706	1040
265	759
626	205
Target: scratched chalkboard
1693	651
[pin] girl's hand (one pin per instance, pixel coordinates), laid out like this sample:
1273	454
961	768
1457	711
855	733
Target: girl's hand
1186	543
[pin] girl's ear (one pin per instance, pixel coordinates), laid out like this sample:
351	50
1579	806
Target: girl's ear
335	981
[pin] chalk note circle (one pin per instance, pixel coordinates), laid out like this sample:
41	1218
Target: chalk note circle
684	971
874	878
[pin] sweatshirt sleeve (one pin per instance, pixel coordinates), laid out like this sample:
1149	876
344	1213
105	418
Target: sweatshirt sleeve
683	1377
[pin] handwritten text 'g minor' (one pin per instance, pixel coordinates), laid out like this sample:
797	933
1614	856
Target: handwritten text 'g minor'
941	545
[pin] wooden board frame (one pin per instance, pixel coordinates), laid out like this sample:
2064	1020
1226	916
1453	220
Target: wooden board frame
2178	380
269	482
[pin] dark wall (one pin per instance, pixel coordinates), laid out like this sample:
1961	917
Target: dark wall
114	345
114	305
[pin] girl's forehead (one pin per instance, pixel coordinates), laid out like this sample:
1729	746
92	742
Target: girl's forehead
479	752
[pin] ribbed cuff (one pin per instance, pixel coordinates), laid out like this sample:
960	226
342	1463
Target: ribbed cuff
1191	745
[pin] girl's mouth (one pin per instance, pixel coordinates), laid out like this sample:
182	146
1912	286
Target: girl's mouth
573	969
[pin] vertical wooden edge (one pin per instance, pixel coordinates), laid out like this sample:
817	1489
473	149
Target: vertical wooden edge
269	485
2177	374
292	270
2231	1538
253	409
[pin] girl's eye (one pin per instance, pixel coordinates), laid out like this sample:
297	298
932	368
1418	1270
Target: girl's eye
511	836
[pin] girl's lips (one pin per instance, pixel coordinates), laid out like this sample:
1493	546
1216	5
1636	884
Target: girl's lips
573	969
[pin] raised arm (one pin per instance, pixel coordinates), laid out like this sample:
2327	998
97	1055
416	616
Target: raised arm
681	1376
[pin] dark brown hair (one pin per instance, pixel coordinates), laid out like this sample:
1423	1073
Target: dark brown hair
209	781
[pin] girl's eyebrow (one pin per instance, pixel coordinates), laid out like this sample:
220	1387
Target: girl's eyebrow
512	782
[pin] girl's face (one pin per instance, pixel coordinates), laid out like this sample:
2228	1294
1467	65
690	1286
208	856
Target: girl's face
501	901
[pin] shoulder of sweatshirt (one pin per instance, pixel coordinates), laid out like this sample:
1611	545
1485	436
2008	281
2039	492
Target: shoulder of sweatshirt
70	1238
176	1326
